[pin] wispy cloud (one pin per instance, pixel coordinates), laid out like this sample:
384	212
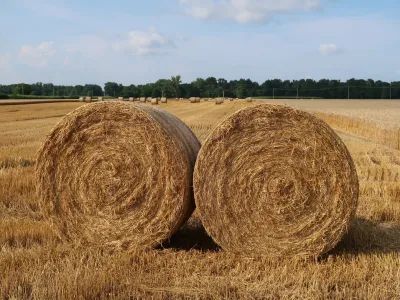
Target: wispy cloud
36	56
246	11
148	42
329	49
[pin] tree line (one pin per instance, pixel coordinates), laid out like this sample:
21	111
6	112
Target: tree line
213	87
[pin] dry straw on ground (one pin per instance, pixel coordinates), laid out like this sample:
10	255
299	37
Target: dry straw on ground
117	175
275	181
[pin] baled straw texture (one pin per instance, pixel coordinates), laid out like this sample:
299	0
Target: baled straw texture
148	99
142	99
117	175
100	99
275	181
131	99
164	100
219	101
154	101
120	98
88	99
81	99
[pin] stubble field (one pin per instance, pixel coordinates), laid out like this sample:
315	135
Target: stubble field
366	264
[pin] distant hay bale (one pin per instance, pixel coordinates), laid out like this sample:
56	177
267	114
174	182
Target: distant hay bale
219	101
193	100
120	98
100	99
154	101
230	99
81	99
197	99
249	99
117	175
142	99
88	99
285	184
148	99
163	100
131	99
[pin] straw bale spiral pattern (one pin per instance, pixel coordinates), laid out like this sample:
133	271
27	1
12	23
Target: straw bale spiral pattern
275	181
117	175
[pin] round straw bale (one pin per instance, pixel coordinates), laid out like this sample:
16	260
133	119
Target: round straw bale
219	101
120	98
100	98
81	99
197	99
142	99
117	175
249	99
275	181
88	99
131	99
154	101
148	99
163	100
193	100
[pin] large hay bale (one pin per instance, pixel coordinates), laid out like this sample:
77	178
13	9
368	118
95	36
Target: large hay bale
197	99
100	99
148	99
275	181
118	175
131	99
193	100
154	101
249	99
120	98
81	99
88	99
219	101
164	100
142	99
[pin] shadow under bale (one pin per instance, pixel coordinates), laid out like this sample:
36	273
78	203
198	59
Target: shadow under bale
365	236
192	236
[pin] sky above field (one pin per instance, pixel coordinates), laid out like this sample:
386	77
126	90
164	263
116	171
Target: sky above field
138	41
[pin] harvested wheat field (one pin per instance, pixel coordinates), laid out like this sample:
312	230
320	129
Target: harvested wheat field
35	263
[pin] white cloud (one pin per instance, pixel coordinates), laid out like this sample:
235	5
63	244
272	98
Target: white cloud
329	49
36	56
246	11
143	43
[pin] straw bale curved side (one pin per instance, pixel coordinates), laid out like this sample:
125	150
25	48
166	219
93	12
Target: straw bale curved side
142	99
88	99
100	99
219	101
164	100
275	181
117	175
81	99
131	99
154	101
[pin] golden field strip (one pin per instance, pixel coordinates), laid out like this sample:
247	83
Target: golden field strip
34	264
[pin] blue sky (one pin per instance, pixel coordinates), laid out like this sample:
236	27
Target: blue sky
135	42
